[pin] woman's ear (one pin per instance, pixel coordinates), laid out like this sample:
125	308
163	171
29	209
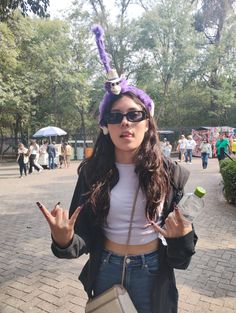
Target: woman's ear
105	130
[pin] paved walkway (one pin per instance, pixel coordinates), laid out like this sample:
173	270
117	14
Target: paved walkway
32	280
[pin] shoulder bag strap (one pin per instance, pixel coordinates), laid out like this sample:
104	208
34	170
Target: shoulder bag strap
129	234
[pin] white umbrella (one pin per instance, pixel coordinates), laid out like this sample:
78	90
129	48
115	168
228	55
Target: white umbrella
49	131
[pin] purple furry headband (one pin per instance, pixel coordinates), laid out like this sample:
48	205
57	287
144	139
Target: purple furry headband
114	84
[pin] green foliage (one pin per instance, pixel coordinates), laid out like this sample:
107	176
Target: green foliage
216	21
228	172
211	16
50	72
44	81
38	7
166	41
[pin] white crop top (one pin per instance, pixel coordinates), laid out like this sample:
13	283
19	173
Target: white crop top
121	202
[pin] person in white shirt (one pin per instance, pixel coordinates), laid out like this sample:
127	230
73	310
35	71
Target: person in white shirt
128	149
206	151
166	148
181	148
33	157
120	234
190	146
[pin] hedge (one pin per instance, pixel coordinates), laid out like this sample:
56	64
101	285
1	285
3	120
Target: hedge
228	172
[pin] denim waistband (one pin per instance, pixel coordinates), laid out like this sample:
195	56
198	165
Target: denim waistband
109	256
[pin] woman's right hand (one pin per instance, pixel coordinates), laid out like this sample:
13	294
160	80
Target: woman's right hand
62	227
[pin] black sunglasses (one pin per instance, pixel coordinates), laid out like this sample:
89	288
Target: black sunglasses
132	116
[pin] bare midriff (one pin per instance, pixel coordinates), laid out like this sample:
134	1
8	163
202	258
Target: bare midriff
131	249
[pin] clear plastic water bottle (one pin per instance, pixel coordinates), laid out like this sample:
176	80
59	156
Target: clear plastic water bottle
192	203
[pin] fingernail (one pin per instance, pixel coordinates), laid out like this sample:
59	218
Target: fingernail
58	203
39	204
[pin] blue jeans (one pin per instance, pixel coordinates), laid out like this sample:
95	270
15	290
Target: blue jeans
188	155
51	161
205	157
140	275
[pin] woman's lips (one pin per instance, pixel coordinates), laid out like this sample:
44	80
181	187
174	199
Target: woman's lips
126	135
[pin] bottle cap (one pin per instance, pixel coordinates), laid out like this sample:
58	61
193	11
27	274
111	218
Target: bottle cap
200	192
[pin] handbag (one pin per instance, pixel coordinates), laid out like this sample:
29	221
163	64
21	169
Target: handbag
116	299
25	159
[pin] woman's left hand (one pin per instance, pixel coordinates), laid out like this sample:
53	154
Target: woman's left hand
175	225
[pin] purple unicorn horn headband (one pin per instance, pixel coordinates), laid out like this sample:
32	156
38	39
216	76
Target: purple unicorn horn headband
116	85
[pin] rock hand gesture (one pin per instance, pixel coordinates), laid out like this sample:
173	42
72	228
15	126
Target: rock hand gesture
62	227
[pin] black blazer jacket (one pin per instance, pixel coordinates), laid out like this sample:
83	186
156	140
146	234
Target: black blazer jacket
89	238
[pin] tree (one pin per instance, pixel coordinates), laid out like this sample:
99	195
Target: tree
216	20
50	72
84	68
119	30
8	65
42	82
38	7
119	34
54	75
167	54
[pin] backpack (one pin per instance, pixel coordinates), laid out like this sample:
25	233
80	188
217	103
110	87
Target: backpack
178	178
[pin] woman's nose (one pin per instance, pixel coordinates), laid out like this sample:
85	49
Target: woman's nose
124	121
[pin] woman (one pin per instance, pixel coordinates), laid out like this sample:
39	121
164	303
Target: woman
22	159
123	159
166	148
67	154
61	155
181	148
33	157
126	159
206	151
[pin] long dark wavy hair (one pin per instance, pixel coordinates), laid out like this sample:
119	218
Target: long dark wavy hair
102	175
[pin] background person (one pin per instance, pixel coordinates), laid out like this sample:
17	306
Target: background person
61	155
36	161
233	148
166	148
181	148
43	156
67	154
190	147
222	147
43	147
205	148
22	159
51	155
33	156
